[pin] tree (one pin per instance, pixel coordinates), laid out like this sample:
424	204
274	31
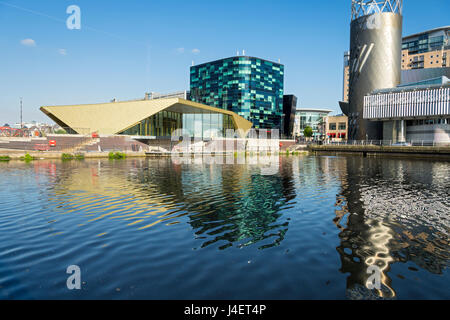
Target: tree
308	132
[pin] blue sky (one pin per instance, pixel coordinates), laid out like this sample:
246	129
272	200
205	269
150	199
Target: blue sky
127	48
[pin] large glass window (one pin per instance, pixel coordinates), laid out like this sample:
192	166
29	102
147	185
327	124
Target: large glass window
198	125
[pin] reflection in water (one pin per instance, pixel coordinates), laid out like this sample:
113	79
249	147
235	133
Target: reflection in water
226	204
394	213
237	232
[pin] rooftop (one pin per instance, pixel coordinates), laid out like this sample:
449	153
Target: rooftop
234	57
313	110
427	31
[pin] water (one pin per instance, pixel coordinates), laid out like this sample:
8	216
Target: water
156	229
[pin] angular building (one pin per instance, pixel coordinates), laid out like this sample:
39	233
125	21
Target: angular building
250	87
375	56
157	118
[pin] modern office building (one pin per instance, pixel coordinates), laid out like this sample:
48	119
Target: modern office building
429	49
417	113
313	118
289	109
157	118
250	87
374	63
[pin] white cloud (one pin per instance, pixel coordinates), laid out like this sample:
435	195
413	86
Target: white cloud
62	52
28	42
195	51
180	50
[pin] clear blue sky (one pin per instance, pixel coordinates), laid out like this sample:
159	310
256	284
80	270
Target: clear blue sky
126	48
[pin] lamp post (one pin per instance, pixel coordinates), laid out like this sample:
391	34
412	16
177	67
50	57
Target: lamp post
21	114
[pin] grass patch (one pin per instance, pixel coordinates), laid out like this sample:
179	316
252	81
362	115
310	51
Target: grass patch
5	158
116	155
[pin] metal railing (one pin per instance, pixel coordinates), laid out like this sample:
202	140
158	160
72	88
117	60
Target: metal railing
415	143
36	132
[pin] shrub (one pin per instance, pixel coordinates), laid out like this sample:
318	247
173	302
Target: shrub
116	155
27	158
308	132
66	156
5	158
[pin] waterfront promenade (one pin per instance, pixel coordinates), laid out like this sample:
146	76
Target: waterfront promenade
375	150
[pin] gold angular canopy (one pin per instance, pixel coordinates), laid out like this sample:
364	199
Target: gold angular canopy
115	117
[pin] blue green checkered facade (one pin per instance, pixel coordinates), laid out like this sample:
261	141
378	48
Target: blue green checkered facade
248	86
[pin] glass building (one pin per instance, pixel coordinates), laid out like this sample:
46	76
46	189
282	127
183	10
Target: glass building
199	125
250	87
313	118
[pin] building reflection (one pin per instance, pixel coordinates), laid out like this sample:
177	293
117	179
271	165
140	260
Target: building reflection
226	205
379	213
248	207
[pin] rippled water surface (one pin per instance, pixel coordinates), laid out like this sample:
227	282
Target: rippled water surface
158	229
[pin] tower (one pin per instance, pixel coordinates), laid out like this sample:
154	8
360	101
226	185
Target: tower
375	59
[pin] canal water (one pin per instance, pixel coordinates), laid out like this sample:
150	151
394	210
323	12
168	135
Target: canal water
308	228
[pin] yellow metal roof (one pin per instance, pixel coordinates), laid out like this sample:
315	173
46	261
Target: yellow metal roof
115	117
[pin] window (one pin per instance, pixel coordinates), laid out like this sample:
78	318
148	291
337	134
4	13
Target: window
342	126
332	126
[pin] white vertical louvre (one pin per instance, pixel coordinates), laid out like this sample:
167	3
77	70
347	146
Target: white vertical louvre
406	104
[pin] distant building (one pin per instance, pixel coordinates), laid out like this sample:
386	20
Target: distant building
428	49
251	87
289	109
346	80
179	94
336	127
313	118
